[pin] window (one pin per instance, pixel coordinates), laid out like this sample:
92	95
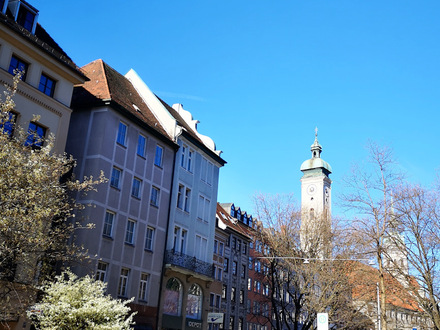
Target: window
215	246
231	322
186	158
47	85
201	246
180	235
108	224
204	208
136	188
206	171
241	297
26	17
122	133
234	243
158	156
250	263
183	197
232	294
194	302
234	268
219	272
243	271
123	282
154	198
8	123
220	248
142	142
115	179
173	297
240	323
149	239
225	265
130	231
249	284
266	289
17	65
244	248
143	287
35	137
224	291
101	271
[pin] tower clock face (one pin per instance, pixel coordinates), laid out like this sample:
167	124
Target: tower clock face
311	189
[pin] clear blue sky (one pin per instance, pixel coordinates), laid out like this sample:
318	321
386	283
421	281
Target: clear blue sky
260	75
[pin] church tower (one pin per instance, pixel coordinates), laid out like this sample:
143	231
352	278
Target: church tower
315	202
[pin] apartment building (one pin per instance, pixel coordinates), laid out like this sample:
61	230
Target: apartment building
48	74
112	129
235	266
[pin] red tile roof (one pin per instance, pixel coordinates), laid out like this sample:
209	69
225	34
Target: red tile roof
107	85
365	278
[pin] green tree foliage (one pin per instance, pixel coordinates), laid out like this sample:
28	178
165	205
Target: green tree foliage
80	303
36	211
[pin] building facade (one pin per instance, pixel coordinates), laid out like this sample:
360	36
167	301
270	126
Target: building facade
235	266
48	74
42	102
188	263
112	129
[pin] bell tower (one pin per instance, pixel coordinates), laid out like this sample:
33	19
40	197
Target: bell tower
315	202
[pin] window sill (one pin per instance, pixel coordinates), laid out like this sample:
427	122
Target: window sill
116	188
158	166
121	145
135	197
107	237
143	157
148	250
129	244
153	205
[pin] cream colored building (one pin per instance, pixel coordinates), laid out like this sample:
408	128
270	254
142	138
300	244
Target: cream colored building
49	77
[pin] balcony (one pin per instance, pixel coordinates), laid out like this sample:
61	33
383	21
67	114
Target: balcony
189	263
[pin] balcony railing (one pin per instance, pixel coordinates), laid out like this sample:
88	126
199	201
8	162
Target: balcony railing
188	262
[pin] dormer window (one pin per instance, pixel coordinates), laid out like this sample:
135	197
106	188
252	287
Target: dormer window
24	14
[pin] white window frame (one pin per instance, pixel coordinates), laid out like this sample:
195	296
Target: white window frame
186	157
130	232
115	180
203	208
180	239
158	156
155	196
101	271
123	282
201	247
107	224
141	147
207	171
143	286
136	187
121	137
149	238
183	197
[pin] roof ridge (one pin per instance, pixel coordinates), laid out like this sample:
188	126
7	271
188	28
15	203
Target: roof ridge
104	70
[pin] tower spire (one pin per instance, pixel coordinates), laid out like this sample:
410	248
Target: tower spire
316	147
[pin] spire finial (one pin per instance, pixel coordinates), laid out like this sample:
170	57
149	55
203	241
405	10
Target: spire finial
316	147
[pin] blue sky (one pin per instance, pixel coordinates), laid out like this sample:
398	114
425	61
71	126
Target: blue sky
261	75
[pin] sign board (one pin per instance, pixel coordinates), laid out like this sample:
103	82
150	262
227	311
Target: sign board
322	321
215	317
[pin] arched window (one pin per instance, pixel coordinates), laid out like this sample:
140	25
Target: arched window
194	302
173	297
